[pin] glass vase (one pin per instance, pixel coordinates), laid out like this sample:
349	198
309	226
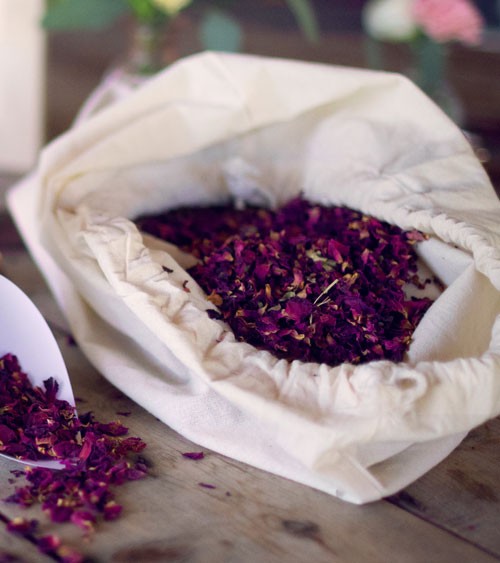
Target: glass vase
430	73
152	47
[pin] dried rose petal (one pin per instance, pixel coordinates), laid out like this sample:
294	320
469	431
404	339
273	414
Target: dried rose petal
49	544
112	511
22	525
194	455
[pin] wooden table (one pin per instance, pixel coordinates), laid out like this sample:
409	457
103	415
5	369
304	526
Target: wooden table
452	514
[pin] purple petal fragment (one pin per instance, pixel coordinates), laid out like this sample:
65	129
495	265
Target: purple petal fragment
194	455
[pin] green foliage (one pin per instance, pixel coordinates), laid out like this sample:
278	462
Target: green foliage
147	12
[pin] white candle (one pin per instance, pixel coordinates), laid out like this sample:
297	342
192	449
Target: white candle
22	84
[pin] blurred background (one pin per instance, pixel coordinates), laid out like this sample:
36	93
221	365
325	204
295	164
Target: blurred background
77	60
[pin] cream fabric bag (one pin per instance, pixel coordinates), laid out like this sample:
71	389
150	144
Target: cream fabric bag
216	123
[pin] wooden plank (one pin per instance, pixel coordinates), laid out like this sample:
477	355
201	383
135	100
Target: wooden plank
16	550
250	515
462	494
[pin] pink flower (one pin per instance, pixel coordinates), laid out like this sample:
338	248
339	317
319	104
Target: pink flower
448	20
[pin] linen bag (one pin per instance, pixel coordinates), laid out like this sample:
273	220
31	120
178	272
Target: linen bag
218	123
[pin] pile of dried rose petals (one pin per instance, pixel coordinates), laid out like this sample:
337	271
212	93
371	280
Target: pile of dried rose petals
35	425
305	282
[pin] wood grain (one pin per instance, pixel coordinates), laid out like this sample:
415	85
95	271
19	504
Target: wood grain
469	478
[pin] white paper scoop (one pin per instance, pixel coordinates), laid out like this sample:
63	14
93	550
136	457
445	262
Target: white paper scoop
25	333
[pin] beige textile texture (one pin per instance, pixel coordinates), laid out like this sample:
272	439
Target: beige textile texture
342	136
